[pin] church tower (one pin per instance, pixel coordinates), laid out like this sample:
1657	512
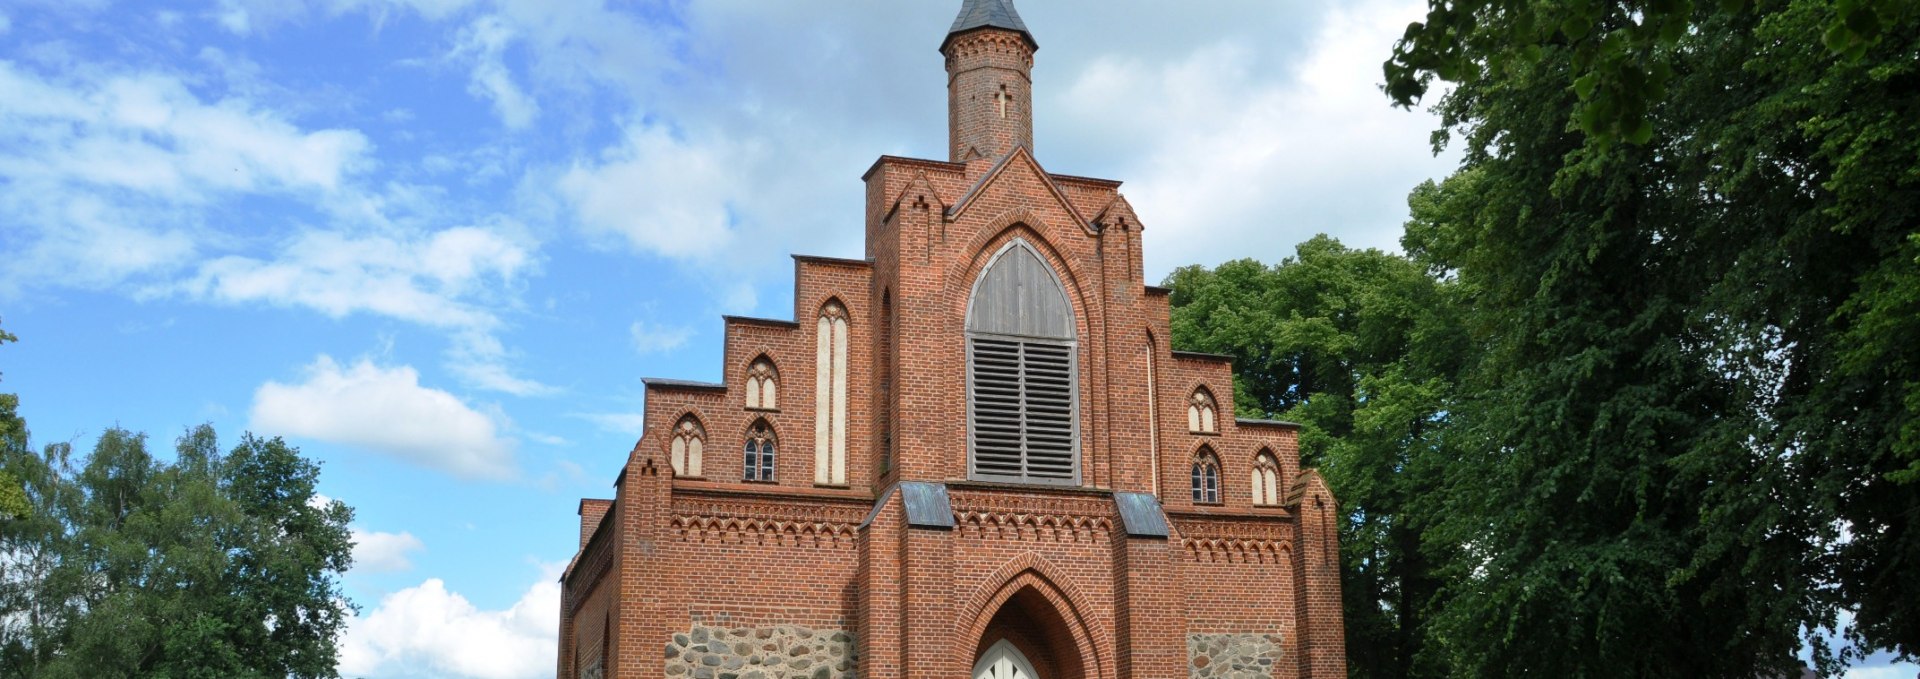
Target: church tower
989	81
972	453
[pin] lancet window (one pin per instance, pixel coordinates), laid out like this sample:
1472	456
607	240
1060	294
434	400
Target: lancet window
1266	479
830	396
762	383
759	453
1200	409
1206	478
1022	394
689	442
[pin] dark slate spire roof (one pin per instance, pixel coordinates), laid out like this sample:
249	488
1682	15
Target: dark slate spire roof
978	14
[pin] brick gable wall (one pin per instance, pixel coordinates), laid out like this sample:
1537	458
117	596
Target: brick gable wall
1051	569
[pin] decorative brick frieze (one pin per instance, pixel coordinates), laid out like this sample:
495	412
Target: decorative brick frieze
876	523
1241	540
764	522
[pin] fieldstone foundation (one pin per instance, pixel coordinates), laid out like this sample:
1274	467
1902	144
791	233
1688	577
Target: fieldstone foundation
781	652
1232	656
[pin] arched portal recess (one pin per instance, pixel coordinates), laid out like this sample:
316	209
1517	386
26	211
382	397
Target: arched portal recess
1028	638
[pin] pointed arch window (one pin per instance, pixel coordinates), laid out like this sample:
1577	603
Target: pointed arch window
762	383
830	396
1200	412
1206	477
759	454
1023	420
689	443
1266	479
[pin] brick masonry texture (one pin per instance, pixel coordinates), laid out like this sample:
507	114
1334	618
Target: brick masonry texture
1048	568
1233	656
778	652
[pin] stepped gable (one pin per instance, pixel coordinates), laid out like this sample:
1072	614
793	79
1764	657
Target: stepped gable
972	451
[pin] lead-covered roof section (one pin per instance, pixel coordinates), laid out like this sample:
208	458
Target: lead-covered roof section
979	14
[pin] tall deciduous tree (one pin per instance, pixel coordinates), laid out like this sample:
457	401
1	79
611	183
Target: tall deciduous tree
209	565
1362	348
1695	435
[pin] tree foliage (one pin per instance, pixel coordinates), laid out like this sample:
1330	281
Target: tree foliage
1693	436
1620	54
1362	348
13	497
209	565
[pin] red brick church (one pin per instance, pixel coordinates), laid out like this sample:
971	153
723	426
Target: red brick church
974	454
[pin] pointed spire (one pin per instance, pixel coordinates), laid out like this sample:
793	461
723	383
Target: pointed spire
979	14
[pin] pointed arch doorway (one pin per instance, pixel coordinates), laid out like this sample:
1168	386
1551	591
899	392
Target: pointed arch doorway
1003	660
1029	637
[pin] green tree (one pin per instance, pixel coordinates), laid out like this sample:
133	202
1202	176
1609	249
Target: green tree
209	565
1362	348
1620	52
13	431
1694	435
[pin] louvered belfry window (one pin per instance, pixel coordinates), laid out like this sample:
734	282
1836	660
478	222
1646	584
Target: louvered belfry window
1022	392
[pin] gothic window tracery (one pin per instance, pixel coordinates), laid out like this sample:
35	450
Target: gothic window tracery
757	464
830	396
1200	412
1266	479
762	383
1206	477
689	443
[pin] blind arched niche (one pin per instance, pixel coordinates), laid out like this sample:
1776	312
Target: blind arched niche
1023	420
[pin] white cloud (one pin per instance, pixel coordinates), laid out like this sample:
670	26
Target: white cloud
378	552
147	133
1229	161
108	175
486	40
452	279
431	631
652	339
663	195
420	280
6	24
385	410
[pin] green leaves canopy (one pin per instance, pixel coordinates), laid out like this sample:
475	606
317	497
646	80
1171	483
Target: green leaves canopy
1362	348
1691	439
207	566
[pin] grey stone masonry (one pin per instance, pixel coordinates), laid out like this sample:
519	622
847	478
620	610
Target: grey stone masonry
780	652
1232	656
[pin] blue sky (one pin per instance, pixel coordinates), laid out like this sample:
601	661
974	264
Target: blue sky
437	243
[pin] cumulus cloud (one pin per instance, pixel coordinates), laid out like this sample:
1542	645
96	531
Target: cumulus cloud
451	279
107	175
660	194
428	630
114	178
378	552
385	410
421	280
1230	161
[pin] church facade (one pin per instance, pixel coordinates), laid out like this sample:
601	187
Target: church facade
973	454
